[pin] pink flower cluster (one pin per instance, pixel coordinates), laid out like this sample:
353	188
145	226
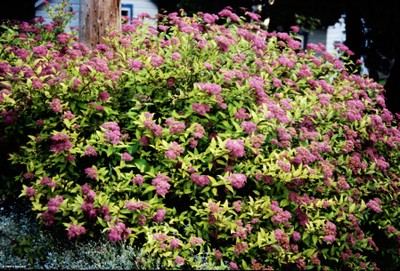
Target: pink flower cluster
174	150
118	232
210	88
236	147
201	109
161	184
280	216
75	231
138	179
201	180
137	205
60	142
90	151
91	172
126	157
30	192
159	217
88	207
238	180
48	181
249	126
56	105
54	203
196	241
103	96
151	125
374	205
198	131
175	243
68	115
175	127
330	232
112	132
241	114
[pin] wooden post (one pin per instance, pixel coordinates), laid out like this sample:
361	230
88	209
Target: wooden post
96	19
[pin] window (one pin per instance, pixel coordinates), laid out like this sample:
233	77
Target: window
127	10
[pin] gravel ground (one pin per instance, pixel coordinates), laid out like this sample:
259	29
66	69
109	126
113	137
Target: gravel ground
40	250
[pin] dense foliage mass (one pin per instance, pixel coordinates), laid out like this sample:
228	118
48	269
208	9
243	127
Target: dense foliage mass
203	138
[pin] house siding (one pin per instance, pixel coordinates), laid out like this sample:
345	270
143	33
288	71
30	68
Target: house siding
335	34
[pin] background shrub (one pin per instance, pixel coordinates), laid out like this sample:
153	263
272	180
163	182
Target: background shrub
203	137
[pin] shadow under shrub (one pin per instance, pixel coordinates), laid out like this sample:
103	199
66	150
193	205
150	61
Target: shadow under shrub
204	141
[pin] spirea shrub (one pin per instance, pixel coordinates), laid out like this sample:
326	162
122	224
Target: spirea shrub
203	137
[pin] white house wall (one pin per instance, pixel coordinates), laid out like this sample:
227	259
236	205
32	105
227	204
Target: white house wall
335	34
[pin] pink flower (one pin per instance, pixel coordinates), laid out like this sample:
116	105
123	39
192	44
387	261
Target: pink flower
201	109
40	51
126	156
112	132
138	179
157	60
85	189
68	115
254	16
63	38
54	203
30	192
179	260
236	146
330	232
175	243
218	254
144	140
249	126
281	216
160	215
390	229
175	127
240	248
209	18
138	205
374	205
329	238
196	241
237	205
257	140
37	83
238	180
210	88
161	184
22	53
60	142
91	172
233	266
135	65
176	56
295	29
174	150
75	230
56	105
103	96
201	180
118	232
193	143
90	151
284	166
198	131
160	237
241	114
296	236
